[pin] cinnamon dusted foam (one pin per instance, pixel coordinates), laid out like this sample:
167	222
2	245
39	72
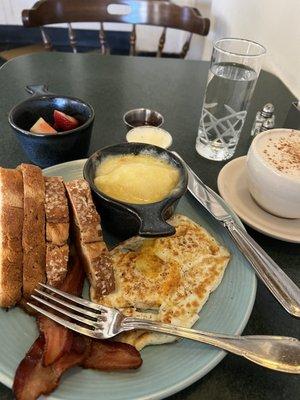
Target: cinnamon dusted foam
281	150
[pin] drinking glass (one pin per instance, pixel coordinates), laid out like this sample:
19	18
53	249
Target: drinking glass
234	69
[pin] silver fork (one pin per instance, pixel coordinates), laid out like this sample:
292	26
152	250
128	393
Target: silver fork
99	322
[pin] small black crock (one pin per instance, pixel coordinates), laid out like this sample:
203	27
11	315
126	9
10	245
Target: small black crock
124	220
50	149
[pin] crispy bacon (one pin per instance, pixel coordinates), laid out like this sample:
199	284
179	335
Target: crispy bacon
58	340
33	379
107	355
73	282
79	351
30	376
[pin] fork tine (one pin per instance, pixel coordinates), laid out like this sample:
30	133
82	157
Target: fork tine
69	305
64	312
67	324
76	299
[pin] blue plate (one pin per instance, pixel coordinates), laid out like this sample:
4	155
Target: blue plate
167	368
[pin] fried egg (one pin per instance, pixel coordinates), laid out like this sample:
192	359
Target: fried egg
165	279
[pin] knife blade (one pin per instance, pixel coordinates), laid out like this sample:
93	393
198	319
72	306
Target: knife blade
279	284
205	196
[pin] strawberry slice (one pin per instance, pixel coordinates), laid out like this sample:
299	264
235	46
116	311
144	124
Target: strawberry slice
64	122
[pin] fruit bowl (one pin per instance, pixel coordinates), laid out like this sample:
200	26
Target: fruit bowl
50	148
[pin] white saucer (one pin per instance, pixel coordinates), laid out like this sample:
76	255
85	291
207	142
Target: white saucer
232	185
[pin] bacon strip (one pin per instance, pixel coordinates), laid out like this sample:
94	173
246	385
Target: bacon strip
58	349
32	379
26	386
58	339
79	351
73	282
107	355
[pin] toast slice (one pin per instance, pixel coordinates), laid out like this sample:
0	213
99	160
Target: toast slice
88	236
57	211
33	240
57	230
86	218
11	225
56	263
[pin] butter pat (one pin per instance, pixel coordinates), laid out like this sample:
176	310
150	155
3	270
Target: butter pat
136	179
151	135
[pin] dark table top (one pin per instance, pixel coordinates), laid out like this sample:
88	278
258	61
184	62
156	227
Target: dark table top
115	84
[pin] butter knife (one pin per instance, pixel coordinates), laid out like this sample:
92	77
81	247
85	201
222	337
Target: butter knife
279	284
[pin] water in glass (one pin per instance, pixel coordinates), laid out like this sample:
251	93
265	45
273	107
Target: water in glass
228	92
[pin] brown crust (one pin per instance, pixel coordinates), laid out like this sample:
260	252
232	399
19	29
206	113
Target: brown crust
11	224
56	263
98	267
86	217
86	228
33	241
57	211
57	230
56	203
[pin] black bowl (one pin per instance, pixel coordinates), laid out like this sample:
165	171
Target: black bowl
50	149
124	220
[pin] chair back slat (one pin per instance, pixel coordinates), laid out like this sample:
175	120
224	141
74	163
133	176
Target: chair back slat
186	46
132	41
46	40
160	13
154	12
72	38
161	42
102	40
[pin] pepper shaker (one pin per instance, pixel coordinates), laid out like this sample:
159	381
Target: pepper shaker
264	119
268	124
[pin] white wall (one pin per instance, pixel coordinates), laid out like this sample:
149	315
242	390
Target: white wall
273	23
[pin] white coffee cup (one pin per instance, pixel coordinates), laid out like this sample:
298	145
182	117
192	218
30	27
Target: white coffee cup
274	182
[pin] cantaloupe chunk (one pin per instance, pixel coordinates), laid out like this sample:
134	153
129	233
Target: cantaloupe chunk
41	126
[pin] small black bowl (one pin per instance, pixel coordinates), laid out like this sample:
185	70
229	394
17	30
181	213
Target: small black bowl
124	220
50	149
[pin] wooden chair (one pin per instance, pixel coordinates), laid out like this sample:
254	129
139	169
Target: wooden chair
135	12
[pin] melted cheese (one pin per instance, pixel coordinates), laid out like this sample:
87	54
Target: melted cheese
136	179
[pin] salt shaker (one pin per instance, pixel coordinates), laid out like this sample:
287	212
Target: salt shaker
262	116
268	124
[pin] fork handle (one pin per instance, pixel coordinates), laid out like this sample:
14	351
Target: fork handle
280	285
275	352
